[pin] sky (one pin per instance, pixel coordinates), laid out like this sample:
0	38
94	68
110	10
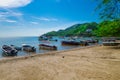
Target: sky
36	17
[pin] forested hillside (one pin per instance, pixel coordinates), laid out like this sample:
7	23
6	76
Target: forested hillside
85	29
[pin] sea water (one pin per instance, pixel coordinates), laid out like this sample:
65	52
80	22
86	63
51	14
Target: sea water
33	41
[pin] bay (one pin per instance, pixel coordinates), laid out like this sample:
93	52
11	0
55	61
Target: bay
33	41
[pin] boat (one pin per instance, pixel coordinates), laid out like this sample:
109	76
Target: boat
109	39
70	43
9	51
28	48
92	41
53	40
48	47
43	38
84	43
111	43
16	47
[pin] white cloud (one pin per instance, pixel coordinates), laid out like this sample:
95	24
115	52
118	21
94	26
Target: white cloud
10	13
34	22
10	21
45	19
7	15
14	3
3	19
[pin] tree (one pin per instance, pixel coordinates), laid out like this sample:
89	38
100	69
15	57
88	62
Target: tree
109	29
109	9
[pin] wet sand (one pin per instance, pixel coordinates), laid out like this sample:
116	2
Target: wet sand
91	63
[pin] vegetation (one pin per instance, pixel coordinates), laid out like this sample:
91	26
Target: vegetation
109	29
109	9
110	14
103	29
85	29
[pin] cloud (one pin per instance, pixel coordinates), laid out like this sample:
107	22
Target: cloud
14	3
7	15
10	21
45	19
34	22
3	19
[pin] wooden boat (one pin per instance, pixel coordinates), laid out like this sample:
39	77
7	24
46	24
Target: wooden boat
43	38
28	48
111	43
70	43
16	47
9	51
92	41
109	39
84	43
53	40
47	47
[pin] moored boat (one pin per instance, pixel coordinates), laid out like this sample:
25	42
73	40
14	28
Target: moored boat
84	43
111	43
9	51
48	47
70	43
92	41
53	40
16	47
28	48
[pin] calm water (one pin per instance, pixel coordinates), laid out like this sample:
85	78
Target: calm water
33	41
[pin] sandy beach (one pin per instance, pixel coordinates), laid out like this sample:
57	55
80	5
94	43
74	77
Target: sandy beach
92	63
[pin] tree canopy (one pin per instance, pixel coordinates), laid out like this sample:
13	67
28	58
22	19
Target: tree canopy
109	9
109	12
109	29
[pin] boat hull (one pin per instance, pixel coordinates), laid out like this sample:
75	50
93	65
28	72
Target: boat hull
9	51
47	47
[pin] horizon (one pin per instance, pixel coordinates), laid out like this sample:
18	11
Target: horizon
35	17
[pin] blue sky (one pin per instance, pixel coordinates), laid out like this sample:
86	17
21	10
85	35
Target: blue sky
35	17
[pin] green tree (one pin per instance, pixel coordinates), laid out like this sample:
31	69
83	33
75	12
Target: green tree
109	12
109	29
109	9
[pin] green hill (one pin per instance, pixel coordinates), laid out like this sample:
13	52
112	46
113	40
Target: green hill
85	29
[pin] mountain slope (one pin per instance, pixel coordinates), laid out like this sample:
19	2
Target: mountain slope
85	29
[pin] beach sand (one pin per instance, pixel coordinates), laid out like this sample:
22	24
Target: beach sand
93	63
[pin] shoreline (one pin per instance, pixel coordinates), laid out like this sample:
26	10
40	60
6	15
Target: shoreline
9	59
86	63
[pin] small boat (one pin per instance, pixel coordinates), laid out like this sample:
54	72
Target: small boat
111	43
43	38
70	43
47	47
84	43
53	40
92	41
9	51
28	48
109	39
16	47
